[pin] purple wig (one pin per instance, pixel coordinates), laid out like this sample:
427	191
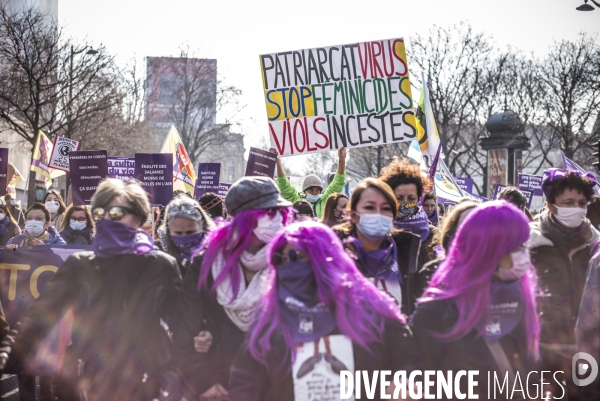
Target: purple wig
360	308
491	231
231	237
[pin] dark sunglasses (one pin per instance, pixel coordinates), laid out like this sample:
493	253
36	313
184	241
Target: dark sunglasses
115	213
293	255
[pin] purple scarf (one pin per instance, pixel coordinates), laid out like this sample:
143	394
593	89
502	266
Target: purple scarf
506	310
434	219
187	244
113	238
307	317
382	263
416	223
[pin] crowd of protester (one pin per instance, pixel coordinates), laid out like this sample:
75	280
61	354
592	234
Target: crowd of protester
208	298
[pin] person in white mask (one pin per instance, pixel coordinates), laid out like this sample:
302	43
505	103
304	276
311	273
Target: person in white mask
386	256
78	225
38	230
224	285
560	246
56	207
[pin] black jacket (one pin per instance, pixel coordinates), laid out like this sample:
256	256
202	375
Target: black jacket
467	353
77	237
198	310
117	305
407	247
253	381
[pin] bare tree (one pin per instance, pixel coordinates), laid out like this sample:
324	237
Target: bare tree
368	161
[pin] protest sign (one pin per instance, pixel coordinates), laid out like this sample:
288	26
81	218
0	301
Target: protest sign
208	179
332	97
261	163
155	173
465	183
122	168
24	274
88	168
223	189
60	152
531	183
529	195
497	189
41	157
4	179
297	183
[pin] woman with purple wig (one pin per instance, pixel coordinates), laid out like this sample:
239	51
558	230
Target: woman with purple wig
224	284
478	313
386	256
320	316
561	248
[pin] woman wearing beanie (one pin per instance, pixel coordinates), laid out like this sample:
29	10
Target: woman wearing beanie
319	316
78	226
312	187
386	256
560	246
478	313
118	294
183	229
56	207
224	285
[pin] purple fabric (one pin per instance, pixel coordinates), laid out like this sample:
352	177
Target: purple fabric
553	174
113	238
434	218
382	263
187	244
416	223
507	309
307	317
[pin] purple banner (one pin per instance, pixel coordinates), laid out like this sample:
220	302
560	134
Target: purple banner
261	163
155	173
88	168
3	170
223	189
122	168
208	179
531	183
466	184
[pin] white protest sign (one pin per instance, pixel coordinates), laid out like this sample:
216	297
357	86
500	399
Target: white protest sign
60	152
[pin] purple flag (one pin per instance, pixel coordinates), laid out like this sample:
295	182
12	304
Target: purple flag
571	165
121	167
154	171
208	179
3	170
261	163
88	168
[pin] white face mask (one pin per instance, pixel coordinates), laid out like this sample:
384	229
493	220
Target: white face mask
375	225
267	227
52	206
2	216
521	261
76	225
313	198
570	216
34	228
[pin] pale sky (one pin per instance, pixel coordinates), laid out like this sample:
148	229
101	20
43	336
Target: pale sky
236	33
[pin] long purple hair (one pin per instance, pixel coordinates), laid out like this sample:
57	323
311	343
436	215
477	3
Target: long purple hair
231	237
360	308
465	276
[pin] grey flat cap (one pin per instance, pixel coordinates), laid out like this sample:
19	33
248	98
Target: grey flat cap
253	193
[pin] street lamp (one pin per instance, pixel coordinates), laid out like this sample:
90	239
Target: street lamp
587	7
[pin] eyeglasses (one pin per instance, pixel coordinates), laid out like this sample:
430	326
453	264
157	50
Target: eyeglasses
293	255
115	213
81	219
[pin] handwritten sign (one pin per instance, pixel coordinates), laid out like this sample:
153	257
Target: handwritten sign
122	168
60	152
347	96
88	168
261	163
208	179
155	173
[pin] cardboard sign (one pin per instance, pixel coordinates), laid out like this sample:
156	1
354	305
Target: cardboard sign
531	183
155	173
60	152
466	184
122	168
261	163
4	179
88	168
334	97
223	189
23	275
321	381
208	179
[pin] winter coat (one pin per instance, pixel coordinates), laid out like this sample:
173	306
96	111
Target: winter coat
407	248
198	310
57	219
7	231
53	239
118	346
467	353
289	193
253	381
77	237
164	243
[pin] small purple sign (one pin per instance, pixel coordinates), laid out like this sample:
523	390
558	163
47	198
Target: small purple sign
529	195
261	163
208	179
466	184
88	168
497	190
531	183
223	189
3	170
155	173
121	167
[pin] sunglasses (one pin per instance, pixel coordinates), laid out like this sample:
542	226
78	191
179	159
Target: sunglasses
293	255
115	213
